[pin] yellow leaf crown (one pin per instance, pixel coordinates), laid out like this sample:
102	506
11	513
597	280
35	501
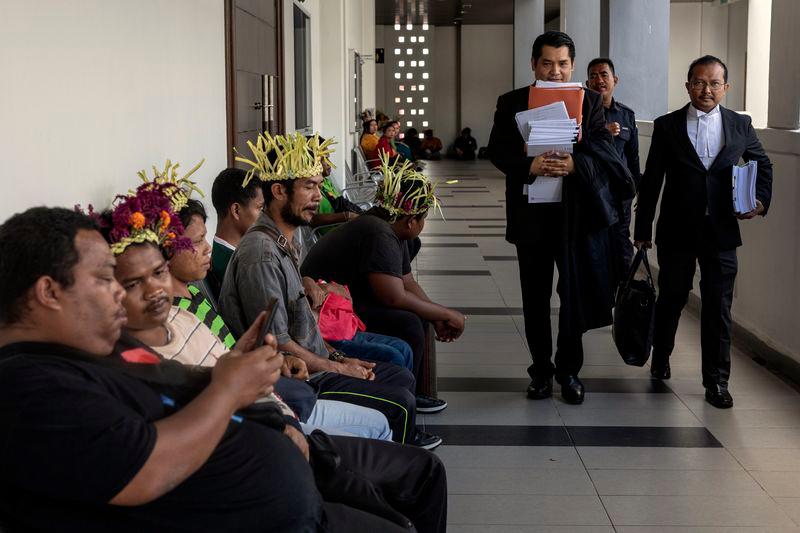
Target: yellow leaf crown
404	191
295	157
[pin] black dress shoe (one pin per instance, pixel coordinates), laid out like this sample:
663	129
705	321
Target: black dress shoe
660	371
540	388
571	389
719	397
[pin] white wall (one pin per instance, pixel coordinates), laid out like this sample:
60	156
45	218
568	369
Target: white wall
445	108
341	29
759	17
767	293
487	71
96	90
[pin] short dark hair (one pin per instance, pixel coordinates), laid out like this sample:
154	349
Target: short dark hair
707	60
193	207
38	242
556	39
601	61
227	190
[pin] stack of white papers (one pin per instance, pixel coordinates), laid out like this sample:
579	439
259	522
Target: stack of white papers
744	187
547	128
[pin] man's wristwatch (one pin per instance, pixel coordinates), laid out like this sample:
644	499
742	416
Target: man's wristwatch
337	356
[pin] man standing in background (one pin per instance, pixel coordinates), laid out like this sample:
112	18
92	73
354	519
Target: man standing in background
621	123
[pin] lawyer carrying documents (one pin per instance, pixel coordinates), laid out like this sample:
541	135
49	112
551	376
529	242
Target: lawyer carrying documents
563	177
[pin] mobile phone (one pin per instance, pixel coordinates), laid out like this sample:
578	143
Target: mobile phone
267	323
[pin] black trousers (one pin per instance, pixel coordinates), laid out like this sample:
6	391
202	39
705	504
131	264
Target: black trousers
412	481
675	280
536	261
391	393
404	325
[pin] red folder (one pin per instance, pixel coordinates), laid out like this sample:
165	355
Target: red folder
572	98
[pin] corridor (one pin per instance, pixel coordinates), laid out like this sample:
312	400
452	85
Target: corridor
639	456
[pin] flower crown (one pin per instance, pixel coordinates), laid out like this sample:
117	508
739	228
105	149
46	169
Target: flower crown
150	213
177	189
147	215
418	197
297	157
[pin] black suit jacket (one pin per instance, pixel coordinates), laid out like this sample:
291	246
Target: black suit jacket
689	188
528	222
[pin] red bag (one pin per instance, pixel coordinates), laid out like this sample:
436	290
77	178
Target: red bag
338	320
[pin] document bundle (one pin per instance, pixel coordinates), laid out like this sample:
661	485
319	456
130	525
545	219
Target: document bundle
552	123
744	187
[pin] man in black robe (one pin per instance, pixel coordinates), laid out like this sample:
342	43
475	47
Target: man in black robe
571	234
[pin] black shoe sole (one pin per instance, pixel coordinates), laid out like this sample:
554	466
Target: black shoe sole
430	410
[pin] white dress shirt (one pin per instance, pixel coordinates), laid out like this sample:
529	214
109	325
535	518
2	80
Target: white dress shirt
705	132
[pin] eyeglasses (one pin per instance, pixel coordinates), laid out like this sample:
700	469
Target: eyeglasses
700	85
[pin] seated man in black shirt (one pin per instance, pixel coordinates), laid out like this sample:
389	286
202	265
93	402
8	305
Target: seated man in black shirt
371	255
100	436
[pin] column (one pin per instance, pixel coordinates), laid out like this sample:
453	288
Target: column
580	19
638	44
528	24
784	66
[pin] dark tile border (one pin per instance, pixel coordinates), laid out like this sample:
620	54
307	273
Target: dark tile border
612	385
501	435
611	436
499	257
645	437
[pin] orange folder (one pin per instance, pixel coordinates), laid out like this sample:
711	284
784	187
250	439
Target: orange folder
571	96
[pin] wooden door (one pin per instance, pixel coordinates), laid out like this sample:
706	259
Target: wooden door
254	61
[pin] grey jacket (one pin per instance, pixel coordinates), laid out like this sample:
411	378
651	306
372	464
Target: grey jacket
260	270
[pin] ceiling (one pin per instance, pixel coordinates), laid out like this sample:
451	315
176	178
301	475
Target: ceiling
449	12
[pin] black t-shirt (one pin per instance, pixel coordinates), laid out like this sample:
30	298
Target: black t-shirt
363	246
75	433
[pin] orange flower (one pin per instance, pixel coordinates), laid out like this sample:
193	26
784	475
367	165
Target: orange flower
137	220
165	220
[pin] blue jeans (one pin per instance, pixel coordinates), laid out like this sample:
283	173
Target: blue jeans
347	419
375	347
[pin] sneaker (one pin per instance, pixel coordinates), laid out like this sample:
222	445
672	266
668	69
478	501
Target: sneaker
429	404
425	440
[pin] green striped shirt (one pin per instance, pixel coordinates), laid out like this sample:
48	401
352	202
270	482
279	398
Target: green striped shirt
200	307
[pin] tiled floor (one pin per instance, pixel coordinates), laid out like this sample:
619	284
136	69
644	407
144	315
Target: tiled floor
638	456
